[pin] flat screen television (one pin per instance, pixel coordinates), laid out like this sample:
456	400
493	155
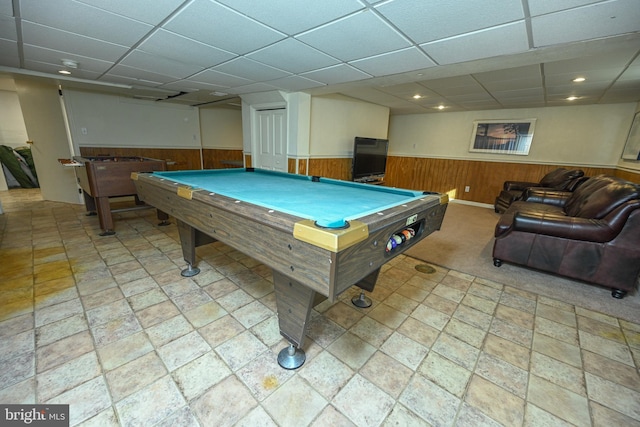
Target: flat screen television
369	158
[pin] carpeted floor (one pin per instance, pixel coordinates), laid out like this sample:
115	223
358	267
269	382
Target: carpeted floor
465	243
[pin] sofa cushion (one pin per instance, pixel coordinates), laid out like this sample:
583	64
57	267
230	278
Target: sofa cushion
599	196
560	178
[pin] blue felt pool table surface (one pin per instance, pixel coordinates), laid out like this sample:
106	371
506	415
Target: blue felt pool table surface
329	202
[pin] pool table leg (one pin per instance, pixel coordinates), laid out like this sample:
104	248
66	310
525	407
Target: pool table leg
190	239
163	217
294	302
366	284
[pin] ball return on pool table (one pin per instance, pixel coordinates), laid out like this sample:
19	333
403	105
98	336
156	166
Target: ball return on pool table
320	236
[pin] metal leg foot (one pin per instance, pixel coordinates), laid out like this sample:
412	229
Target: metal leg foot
361	301
618	293
107	233
291	357
190	271
164	223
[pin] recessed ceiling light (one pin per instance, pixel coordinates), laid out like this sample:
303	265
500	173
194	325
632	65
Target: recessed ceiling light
579	79
65	72
417	96
572	98
440	107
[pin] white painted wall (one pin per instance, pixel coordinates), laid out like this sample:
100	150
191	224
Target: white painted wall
336	120
221	128
592	135
101	120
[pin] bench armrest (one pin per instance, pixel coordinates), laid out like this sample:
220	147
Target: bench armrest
568	227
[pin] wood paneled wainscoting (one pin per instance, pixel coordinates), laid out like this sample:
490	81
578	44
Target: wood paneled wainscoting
484	179
214	158
336	168
177	158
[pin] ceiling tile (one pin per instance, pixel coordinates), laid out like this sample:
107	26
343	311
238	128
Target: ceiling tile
592	76
54	57
434	20
190	85
534	94
608	59
596	20
253	88
170	45
341	73
8	28
542	7
249	69
504	40
354	37
49	38
294	83
289	17
622	94
148	11
9	54
399	61
160	65
136	73
6	7
293	56
88	21
527	73
513	84
407	90
471	97
453	86
216	25
45	67
631	74
480	105
219	79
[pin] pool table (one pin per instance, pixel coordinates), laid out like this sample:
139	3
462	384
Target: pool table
320	236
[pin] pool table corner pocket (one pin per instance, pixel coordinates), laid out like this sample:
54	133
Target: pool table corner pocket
334	240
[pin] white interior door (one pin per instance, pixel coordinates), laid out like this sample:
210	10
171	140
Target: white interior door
45	123
271	139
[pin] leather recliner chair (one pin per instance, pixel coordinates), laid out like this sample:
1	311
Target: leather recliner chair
592	234
558	179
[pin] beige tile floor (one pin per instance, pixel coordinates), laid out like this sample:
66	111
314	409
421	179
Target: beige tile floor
108	325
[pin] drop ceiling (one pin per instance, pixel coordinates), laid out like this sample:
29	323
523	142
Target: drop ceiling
414	56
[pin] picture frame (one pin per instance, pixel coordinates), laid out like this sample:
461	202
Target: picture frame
502	136
632	146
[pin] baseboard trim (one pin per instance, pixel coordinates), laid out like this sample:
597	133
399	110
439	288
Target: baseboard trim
467	202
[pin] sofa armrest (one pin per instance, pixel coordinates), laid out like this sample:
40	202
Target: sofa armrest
518	185
575	228
548	197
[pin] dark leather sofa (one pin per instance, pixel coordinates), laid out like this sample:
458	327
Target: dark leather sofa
558	179
591	234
